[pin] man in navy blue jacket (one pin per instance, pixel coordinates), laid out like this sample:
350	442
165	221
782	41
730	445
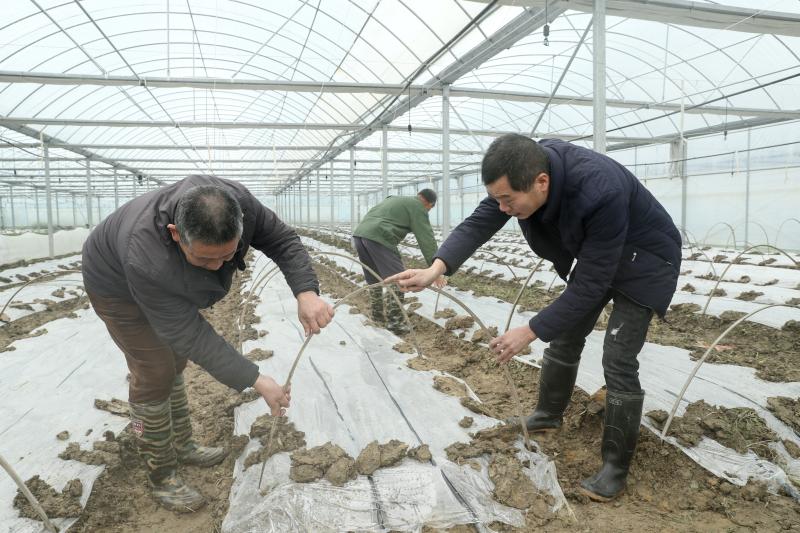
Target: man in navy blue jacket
575	204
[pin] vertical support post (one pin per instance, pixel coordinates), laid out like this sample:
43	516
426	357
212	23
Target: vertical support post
58	216
88	193
74	212
11	202
461	197
747	197
308	201
445	203
116	190
599	75
36	201
2	215
353	198
677	155
384	161
99	212
48	201
330	199
300	202
319	201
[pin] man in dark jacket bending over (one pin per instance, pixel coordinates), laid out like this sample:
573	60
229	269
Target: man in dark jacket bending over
573	203
148	268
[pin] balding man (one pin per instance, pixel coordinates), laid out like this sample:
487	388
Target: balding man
148	269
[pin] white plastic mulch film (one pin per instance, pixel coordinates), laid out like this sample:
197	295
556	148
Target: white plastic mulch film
663	369
351	388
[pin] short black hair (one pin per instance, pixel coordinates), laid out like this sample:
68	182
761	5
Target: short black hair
516	156
208	214
429	195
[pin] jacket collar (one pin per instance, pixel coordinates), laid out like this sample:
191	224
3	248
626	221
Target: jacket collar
553	205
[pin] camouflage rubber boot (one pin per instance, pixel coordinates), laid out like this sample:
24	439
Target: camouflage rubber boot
396	321
188	451
152	426
376	305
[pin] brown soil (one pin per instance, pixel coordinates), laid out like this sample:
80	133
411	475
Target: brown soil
328	461
444	313
787	410
31	325
285	439
666	491
64	504
739	428
448	385
121	501
259	354
466	422
102	453
749	296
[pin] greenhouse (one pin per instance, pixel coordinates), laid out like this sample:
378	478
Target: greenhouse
393	265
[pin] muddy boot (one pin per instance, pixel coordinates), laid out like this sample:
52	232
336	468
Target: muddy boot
556	381
152	426
376	305
396	322
187	450
620	434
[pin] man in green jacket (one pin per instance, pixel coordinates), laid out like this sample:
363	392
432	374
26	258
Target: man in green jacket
376	239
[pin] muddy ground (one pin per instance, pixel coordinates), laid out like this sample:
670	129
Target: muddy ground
773	353
666	492
120	499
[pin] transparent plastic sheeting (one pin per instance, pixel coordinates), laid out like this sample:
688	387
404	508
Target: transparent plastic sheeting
662	372
782	291
351	388
29	245
48	384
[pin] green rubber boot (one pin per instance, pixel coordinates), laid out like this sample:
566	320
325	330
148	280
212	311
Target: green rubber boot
187	450
152	426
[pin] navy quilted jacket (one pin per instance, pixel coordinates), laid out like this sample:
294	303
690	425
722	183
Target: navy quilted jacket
598	213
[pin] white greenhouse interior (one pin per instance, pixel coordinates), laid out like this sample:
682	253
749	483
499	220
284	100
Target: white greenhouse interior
324	108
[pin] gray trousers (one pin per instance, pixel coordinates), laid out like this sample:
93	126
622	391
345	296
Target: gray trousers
379	258
625	336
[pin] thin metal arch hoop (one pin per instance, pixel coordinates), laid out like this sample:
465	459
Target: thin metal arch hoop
733	261
705	356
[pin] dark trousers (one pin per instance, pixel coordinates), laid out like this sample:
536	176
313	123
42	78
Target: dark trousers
625	335
152	363
383	260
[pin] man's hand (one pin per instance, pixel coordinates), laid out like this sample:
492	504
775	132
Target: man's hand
314	313
276	396
440	282
511	343
416	279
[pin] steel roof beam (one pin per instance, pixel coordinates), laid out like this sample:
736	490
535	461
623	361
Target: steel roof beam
684	13
78	149
390	89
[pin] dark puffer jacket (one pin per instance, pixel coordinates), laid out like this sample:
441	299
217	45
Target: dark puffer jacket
598	213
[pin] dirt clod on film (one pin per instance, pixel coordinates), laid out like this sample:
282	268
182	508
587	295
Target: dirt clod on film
64	504
739	428
666	490
285	438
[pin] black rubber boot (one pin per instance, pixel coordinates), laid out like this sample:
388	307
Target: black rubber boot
556	382
620	434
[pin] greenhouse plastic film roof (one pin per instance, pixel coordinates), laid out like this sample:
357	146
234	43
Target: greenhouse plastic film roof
270	93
